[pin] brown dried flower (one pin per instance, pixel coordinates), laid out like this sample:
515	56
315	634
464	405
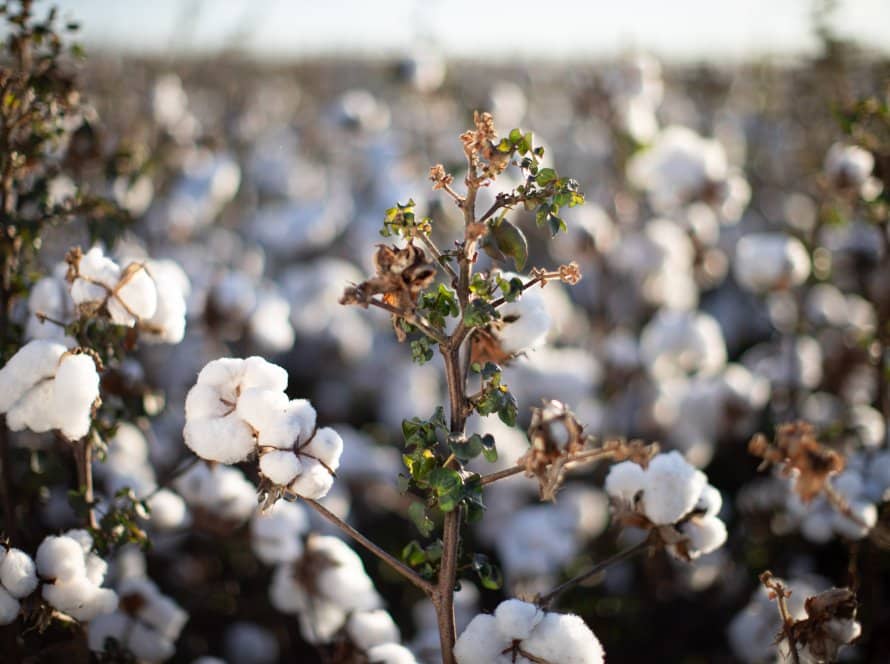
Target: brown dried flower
800	455
555	435
440	178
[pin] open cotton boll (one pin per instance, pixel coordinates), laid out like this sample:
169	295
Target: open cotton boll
276	534
848	165
625	480
135	296
75	389
710	501
269	324
672	488
60	558
18	574
481	641
390	653
31	411
97	275
678	342
367	629
280	466
167	510
769	261
33	363
9	607
222	490
864	512
155	610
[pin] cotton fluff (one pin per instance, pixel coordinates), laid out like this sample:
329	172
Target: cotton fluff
18	574
850	166
677	342
770	261
213	429
323	587
390	653
147	622
129	294
276	534
167	324
672	488
220	491
518	627
525	322
9	607
367	629
44	387
73	576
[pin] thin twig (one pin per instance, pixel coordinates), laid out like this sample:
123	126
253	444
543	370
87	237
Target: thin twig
83	458
434	250
419	322
546	599
390	560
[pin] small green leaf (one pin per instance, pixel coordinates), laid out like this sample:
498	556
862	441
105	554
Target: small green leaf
545	176
417	514
489	574
511	242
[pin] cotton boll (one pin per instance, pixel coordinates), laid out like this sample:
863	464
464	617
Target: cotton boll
625	480
260	373
265	411
9	607
49	297
159	612
275	535
147	644
676	342
226	440
269	323
390	653
167	510
769	261
280	466
60	558
108	626
80	598
848	165
31	411
97	277
222	490
75	389
710	501
19	574
516	619
564	638
672	488
367	629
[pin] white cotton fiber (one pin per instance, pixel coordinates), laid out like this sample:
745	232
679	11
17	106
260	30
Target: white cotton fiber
260	373
706	534
516	619
226	439
60	558
314	481
326	446
481	642
18	573
75	388
367	629
263	409
390	653
32	363
564	638
672	488
625	480
135	296
280	466
9	607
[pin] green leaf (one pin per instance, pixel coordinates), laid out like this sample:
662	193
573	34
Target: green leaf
418	515
479	313
508	411
545	176
489	574
556	224
511	242
489	451
421	353
447	484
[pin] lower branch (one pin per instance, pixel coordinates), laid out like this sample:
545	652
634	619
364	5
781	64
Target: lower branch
546	600
443	598
408	573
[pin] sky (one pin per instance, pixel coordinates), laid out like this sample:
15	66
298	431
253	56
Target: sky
682	30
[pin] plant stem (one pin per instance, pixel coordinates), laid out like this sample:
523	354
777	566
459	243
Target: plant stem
83	457
390	560
417	321
6	482
547	599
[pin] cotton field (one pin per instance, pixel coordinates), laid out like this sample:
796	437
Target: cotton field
424	359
